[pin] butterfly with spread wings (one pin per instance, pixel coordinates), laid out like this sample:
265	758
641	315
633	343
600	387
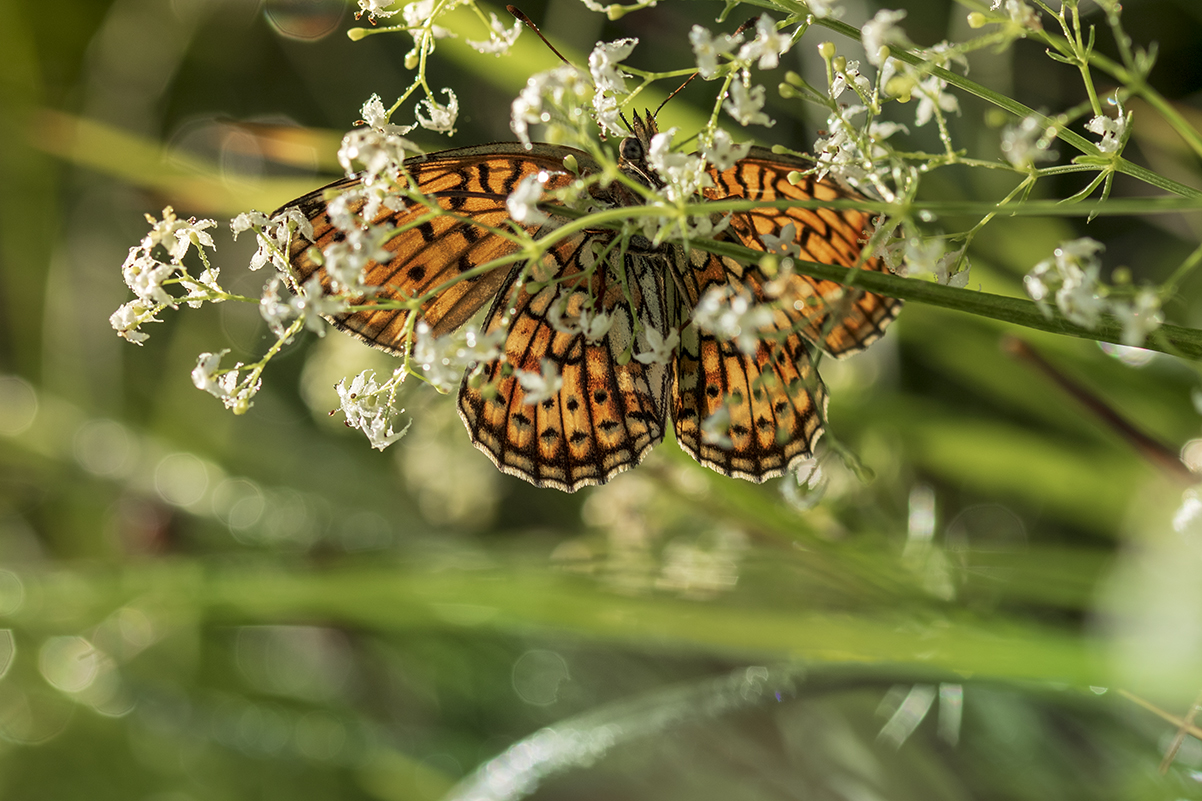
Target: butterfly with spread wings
753	411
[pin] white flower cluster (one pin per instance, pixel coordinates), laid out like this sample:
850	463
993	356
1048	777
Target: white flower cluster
273	235
368	406
730	313
147	274
443	359
1071	277
716	57
582	320
311	304
555	98
853	152
500	38
609	82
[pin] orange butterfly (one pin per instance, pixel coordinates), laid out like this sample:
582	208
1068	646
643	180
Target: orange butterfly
751	409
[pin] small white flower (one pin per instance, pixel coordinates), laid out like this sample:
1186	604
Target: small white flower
715	429
746	105
767	46
522	202
931	96
609	82
880	32
720	150
126	320
375	8
1021	13
850	76
707	49
417	15
825	9
442	118
376	116
1140	316
145	276
444	359
203	287
191	233
539	387
500	38
248	220
593	324
1112	130
205	375
368	407
1027	142
1072	276
276	312
783	245
662	348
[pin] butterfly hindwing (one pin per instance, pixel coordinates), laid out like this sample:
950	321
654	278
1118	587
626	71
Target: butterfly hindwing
611	407
751	415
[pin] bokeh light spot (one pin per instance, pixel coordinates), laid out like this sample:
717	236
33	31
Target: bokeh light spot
18	405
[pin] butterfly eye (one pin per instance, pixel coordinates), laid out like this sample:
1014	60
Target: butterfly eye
631	149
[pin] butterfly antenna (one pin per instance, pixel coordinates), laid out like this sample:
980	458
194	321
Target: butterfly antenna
529	23
675	93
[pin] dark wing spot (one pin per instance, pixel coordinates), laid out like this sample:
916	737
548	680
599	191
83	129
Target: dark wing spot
739	429
521	419
550	435
713	391
607	426
549	403
763	423
600	396
572	404
578	437
417	272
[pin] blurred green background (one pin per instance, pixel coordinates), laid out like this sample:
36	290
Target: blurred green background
201	606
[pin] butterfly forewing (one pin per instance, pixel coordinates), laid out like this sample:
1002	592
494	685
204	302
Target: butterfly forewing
841	320
436	248
611	407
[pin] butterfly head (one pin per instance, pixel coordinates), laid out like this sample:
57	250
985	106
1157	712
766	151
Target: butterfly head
633	150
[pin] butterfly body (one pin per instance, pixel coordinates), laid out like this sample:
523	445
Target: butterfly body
620	385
